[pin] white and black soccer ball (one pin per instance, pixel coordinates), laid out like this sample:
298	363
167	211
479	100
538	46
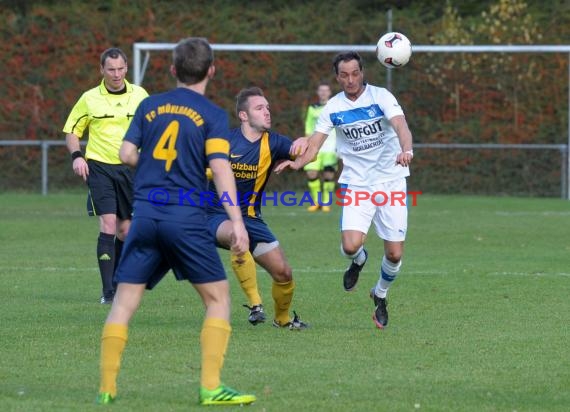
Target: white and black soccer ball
393	50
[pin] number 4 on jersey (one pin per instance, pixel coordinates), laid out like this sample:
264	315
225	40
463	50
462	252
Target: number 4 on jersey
165	148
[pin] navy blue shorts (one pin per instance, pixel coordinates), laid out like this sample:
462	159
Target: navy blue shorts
110	190
153	247
257	229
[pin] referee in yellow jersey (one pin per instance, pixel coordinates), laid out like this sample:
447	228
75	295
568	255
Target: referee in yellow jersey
105	112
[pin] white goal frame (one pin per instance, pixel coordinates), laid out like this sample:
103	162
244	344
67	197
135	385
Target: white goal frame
142	51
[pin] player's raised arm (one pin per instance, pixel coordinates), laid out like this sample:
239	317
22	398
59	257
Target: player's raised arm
313	144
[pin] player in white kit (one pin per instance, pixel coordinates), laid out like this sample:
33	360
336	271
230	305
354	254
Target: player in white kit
375	143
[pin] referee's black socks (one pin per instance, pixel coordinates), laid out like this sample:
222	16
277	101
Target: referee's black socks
118	250
106	259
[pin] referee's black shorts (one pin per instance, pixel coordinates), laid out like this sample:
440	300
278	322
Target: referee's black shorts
110	190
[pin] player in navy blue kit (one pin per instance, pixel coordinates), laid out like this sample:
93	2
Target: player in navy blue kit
254	151
172	138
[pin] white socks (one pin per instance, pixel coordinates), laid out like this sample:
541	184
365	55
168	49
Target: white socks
359	257
388	273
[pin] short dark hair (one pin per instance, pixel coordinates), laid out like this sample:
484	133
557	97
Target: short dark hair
346	57
243	95
192	57
112	53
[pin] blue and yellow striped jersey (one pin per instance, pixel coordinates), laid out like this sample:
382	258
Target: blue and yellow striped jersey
252	163
178	133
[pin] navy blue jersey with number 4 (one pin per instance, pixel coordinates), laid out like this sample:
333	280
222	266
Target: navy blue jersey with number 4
177	132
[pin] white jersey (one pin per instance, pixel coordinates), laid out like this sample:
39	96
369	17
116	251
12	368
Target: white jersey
329	146
365	139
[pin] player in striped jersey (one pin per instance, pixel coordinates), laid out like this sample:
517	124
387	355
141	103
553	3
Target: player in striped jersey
254	151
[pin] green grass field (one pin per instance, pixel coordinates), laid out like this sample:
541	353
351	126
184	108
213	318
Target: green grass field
479	316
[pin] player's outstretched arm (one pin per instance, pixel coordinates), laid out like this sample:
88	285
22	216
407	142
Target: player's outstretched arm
299	147
223	177
306	151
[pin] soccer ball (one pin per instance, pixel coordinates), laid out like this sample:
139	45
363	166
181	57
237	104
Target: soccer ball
393	50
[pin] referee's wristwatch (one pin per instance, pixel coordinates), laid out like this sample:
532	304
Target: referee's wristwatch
76	154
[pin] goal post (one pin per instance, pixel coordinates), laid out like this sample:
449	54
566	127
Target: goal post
142	50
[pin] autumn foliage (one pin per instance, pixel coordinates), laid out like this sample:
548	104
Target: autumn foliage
50	54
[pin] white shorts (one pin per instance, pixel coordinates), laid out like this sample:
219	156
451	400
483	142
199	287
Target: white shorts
383	204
